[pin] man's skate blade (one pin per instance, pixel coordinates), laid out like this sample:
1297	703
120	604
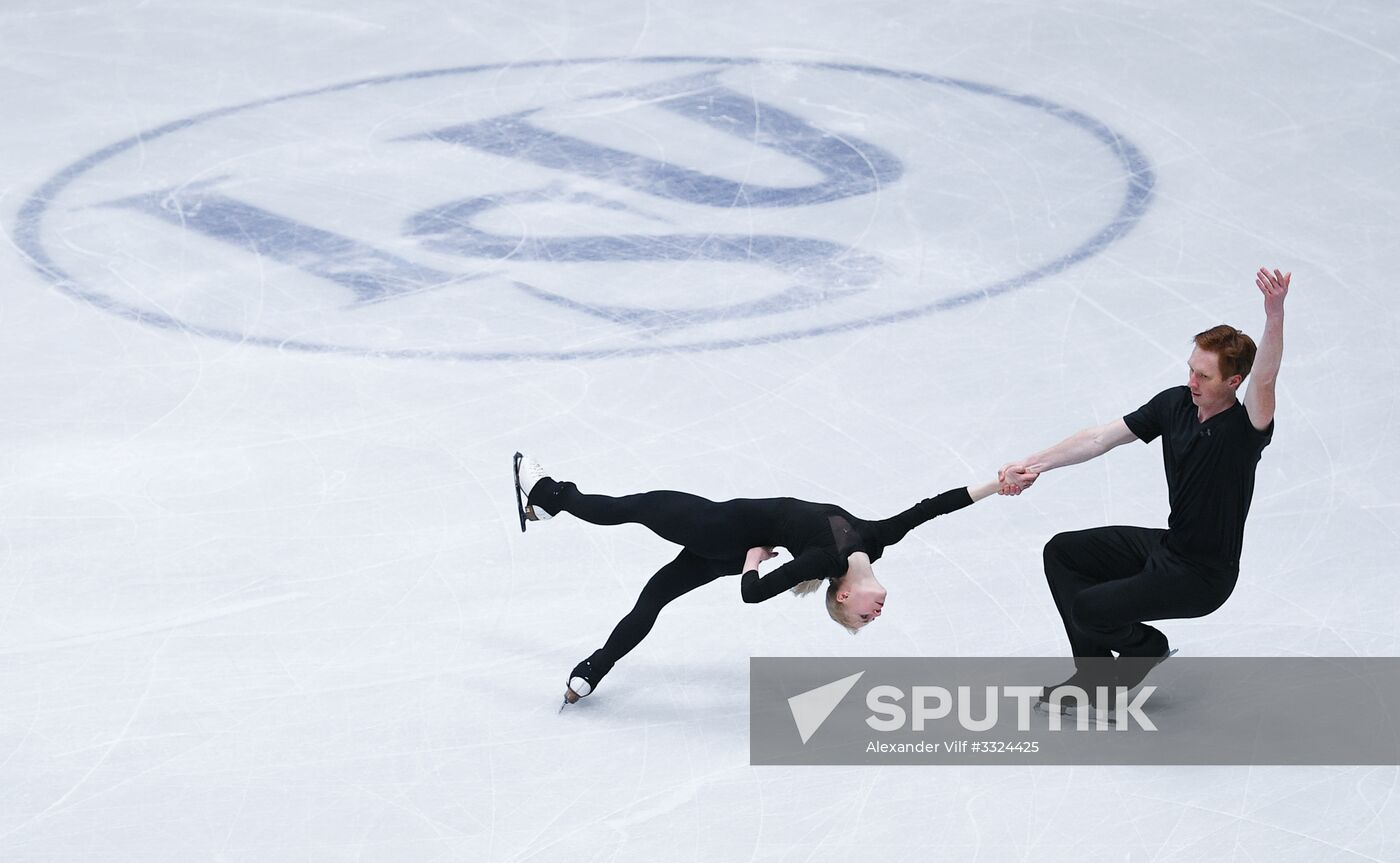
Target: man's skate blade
1063	709
1073	713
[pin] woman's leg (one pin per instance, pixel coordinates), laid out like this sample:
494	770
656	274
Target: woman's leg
677	578
709	529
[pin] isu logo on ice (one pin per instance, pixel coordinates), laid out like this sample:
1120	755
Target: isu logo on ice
588	208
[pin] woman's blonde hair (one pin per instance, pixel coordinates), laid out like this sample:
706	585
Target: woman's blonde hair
833	608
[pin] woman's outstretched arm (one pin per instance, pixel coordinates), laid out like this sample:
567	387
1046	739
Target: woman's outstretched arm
892	530
986	489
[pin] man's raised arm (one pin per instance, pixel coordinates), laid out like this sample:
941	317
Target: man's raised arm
1259	398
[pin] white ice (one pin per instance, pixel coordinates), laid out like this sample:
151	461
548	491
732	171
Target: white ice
264	603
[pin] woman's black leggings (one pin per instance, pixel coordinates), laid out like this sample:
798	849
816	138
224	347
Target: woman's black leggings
715	538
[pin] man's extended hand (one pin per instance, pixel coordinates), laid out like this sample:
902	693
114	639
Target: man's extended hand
1015	478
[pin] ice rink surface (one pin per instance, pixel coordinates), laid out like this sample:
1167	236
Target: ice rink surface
285	285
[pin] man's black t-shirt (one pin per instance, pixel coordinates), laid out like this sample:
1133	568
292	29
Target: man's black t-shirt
1210	473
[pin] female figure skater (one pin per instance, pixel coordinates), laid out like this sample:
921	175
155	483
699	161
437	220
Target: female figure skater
827	544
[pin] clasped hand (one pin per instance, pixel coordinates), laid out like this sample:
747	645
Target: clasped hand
1015	478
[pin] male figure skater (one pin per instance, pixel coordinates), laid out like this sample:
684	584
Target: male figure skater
1107	581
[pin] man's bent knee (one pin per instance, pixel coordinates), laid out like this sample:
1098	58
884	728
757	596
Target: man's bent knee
1058	554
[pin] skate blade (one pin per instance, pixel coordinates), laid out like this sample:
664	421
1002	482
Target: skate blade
523	508
520	505
1064	710
1109	714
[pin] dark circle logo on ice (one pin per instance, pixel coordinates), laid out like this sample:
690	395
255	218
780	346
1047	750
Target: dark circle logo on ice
585	208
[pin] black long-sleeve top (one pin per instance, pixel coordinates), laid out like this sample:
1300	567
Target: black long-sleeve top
822	536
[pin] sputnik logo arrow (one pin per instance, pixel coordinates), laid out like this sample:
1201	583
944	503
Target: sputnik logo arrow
811	708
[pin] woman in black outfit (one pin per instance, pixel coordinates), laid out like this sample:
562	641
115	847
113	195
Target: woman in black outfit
827	544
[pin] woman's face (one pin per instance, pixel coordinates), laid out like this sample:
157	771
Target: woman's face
862	597
867	608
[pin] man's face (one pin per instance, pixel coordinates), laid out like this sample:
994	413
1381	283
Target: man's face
1208	388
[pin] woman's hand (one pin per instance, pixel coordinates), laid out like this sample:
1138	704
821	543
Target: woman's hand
757	556
1015	478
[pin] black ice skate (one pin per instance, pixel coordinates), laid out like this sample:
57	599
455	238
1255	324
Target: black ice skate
527	472
1132	670
582	681
1094	683
1146	653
